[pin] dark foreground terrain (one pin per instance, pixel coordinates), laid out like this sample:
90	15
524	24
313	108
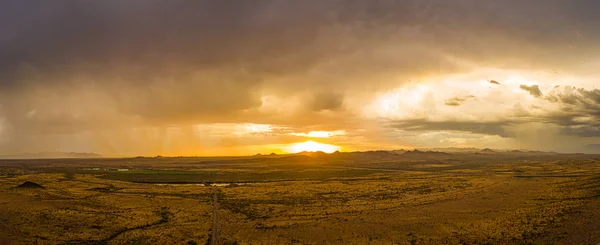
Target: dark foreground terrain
342	198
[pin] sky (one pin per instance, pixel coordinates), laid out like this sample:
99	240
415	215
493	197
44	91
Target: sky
230	77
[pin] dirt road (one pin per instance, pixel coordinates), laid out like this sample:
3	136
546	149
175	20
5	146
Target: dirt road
215	231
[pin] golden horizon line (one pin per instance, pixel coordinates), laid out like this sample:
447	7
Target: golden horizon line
14	156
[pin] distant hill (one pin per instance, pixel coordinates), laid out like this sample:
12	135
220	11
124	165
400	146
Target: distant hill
398	152
429	155
312	154
451	149
481	151
48	155
487	150
418	152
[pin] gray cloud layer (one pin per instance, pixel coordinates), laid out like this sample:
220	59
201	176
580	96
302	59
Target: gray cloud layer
491	128
576	111
580	111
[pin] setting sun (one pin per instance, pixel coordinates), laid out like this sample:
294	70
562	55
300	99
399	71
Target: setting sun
311	146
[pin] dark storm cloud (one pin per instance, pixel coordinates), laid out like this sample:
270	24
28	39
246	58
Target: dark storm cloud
170	38
576	97
156	60
534	90
579	111
582	131
84	66
490	128
494	82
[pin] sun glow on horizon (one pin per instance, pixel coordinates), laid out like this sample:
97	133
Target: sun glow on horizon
311	146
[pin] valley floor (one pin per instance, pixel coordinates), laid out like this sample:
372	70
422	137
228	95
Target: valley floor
512	201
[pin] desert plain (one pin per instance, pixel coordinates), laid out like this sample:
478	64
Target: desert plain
379	197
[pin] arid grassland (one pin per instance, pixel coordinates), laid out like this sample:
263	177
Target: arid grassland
342	198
